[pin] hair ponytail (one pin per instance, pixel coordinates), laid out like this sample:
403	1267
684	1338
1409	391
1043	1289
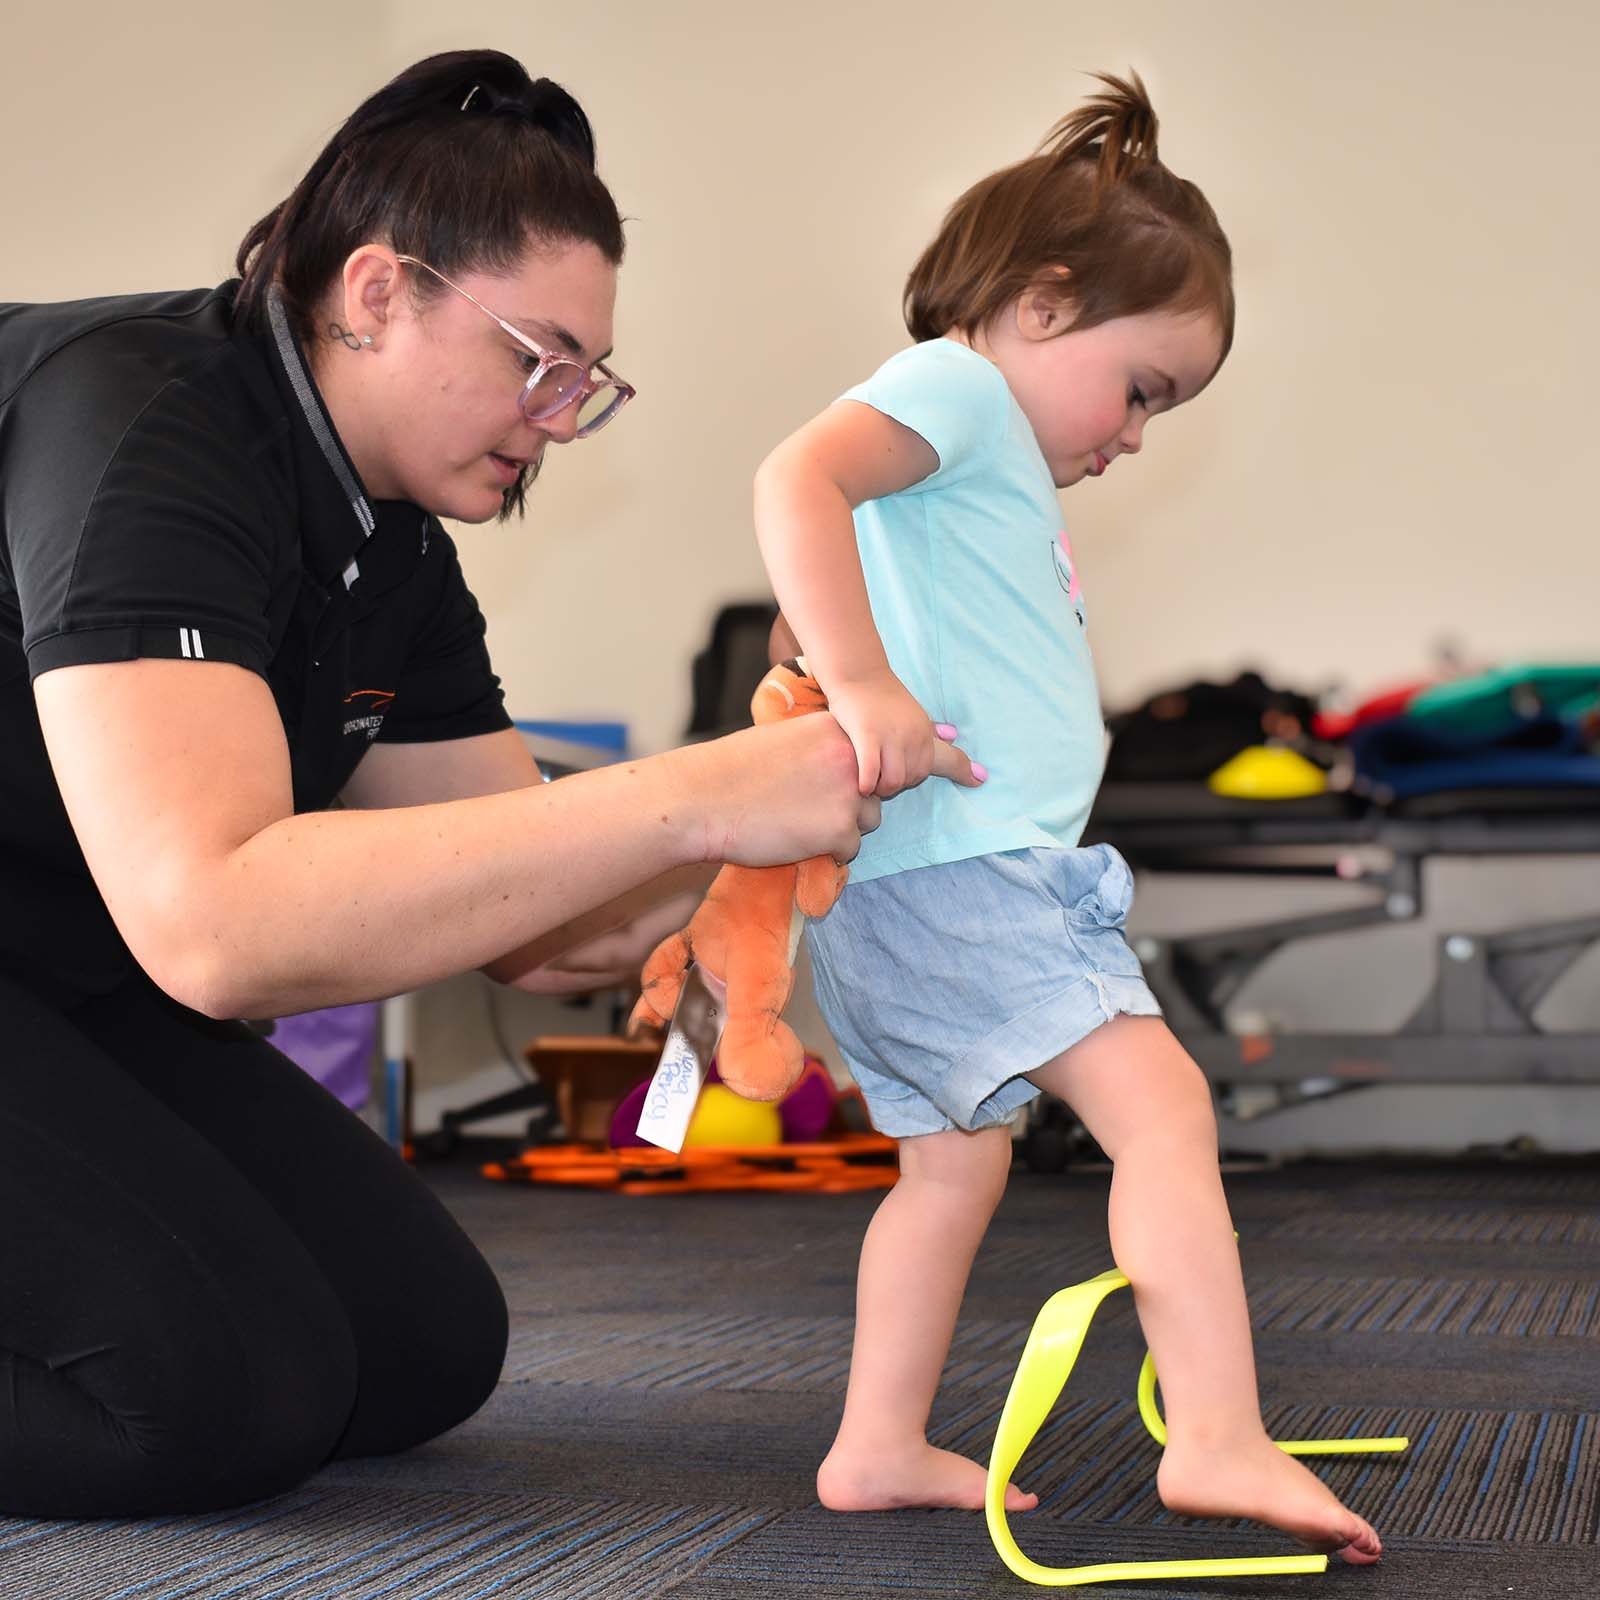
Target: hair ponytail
1096	199
460	160
502	88
1118	129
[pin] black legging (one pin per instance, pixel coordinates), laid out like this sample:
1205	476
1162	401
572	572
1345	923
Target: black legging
213	1278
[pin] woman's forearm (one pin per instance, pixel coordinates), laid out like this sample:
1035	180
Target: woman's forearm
327	907
615	937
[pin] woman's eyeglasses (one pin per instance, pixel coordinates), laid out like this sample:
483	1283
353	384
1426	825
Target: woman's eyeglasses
556	382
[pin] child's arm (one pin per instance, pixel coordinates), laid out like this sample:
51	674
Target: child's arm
804	494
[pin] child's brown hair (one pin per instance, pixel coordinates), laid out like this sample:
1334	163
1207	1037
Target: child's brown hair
1094	199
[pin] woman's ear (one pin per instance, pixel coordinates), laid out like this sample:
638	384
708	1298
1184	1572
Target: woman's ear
371	289
1044	308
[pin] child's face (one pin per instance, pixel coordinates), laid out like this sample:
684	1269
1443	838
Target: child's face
1089	394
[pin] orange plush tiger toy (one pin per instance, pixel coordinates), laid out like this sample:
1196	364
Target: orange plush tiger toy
746	932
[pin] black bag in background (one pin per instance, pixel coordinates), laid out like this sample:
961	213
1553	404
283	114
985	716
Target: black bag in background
1188	733
724	675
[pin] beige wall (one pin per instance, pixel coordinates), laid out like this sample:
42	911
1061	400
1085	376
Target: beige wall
1395	454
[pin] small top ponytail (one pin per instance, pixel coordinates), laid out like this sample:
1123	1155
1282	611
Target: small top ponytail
1118	129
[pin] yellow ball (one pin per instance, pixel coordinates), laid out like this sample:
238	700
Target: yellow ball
722	1117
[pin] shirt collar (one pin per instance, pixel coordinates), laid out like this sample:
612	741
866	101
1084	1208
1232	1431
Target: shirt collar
336	516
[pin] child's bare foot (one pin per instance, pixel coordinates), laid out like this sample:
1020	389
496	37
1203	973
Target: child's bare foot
859	1480
1258	1480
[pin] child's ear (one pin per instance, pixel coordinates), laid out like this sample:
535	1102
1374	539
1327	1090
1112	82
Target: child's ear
1045	308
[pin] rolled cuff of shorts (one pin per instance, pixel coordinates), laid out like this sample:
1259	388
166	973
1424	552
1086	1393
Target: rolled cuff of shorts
987	1086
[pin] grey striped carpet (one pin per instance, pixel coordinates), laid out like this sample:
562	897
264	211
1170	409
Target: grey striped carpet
677	1365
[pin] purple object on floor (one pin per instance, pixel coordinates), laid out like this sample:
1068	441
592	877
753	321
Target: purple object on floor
335	1046
807	1109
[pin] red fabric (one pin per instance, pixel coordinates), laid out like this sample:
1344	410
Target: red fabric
1391	703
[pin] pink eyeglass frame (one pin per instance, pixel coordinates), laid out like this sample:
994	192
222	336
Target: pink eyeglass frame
548	362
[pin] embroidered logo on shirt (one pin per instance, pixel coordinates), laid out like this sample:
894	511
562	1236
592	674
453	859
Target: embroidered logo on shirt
373	703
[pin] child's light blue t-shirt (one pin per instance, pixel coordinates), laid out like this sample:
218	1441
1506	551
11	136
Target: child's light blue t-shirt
974	592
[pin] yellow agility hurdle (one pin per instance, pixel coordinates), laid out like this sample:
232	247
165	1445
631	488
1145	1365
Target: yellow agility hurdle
1047	1361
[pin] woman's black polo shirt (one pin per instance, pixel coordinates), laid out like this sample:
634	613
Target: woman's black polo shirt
163	492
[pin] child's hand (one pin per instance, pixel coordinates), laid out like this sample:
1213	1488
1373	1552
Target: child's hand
892	735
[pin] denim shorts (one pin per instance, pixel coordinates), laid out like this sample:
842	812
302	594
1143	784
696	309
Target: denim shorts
943	985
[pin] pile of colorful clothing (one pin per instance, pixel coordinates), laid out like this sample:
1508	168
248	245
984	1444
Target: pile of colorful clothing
1527	726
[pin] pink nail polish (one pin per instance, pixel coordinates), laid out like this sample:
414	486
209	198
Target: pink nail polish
945	730
980	773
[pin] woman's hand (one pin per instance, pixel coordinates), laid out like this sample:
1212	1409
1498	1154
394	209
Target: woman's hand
615	956
891	734
790	790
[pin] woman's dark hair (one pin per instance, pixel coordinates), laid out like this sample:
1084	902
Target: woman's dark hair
1094	199
462	161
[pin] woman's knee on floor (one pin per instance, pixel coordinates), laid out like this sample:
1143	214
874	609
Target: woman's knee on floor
481	1326
430	1356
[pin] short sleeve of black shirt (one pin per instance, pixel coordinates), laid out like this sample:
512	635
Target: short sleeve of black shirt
136	514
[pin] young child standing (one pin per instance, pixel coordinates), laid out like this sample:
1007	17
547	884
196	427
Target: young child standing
913	535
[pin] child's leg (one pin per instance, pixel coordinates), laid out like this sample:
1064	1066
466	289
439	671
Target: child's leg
914	1265
1149	1107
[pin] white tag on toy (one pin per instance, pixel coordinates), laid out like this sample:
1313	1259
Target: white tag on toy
685	1059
